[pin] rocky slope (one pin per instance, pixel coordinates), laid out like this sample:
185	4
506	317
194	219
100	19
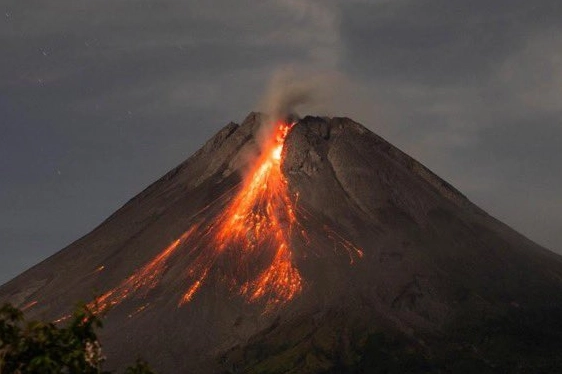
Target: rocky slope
400	272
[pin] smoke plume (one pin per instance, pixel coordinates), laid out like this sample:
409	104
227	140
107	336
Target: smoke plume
292	91
289	90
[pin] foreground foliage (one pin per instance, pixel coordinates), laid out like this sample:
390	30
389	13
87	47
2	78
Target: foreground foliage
45	348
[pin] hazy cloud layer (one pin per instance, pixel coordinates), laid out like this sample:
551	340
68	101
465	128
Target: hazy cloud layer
100	98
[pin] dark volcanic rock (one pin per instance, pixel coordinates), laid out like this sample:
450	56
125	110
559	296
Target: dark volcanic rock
441	286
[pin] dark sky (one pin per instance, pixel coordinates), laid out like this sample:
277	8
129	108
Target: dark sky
100	98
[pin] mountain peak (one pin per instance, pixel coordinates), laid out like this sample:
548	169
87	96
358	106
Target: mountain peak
291	246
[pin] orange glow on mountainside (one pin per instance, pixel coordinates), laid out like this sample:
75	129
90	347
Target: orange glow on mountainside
145	278
261	216
252	233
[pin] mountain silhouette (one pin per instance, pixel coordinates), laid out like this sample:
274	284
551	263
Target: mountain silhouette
306	246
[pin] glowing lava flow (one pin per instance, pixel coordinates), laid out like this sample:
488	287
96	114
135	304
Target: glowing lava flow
251	236
260	217
145	278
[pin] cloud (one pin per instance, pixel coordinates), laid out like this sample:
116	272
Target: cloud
118	92
533	75
317	29
470	89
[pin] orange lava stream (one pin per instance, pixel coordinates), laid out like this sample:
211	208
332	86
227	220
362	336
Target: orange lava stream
194	288
146	278
253	232
261	216
281	280
351	249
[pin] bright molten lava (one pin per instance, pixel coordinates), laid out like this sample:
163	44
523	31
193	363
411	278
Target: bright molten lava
261	216
246	246
258	219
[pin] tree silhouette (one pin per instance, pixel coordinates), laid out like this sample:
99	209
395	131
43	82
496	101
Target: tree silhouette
44	348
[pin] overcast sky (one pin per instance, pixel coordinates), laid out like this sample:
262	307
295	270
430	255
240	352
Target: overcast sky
100	98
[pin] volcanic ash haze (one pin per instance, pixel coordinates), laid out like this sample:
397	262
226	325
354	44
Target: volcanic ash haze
329	251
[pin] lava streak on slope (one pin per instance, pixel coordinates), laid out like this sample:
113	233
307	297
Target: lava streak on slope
252	234
259	218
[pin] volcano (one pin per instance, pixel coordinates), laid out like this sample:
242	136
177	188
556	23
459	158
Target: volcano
306	246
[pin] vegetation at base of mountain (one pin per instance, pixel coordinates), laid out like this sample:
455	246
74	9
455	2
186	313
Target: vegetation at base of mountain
44	348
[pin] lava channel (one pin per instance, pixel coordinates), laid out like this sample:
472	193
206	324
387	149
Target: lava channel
252	234
259	217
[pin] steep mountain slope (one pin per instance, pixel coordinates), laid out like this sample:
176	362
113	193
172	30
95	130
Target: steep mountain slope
321	248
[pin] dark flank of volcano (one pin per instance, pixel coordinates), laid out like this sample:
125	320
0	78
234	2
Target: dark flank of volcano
306	246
